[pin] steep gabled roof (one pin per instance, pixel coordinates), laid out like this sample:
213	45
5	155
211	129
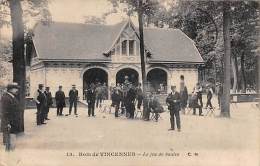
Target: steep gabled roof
167	45
72	41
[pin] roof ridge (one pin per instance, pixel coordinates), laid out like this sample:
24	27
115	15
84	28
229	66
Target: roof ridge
78	23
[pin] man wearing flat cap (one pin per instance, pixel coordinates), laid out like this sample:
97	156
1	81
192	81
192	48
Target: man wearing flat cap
41	104
173	102
10	111
73	99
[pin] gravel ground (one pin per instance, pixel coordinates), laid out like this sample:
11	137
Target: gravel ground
71	140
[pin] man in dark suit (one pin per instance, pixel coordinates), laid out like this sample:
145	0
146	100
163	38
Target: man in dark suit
116	98
41	103
91	97
60	101
49	102
130	101
10	110
73	99
139	96
173	102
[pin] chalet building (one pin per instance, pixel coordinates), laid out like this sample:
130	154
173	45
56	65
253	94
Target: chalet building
71	53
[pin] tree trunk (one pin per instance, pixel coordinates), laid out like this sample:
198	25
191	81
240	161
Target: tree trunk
236	67
140	21
243	73
18	54
233	65
225	108
257	72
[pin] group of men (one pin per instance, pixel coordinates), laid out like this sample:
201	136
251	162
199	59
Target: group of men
43	99
125	96
178	101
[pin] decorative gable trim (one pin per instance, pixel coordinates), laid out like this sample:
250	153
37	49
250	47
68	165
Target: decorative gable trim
128	23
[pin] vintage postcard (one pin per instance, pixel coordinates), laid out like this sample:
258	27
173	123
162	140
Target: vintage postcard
129	82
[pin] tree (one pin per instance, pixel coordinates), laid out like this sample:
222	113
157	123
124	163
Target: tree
203	22
18	46
19	73
142	56
225	108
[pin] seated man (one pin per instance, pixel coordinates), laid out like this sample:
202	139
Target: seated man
154	106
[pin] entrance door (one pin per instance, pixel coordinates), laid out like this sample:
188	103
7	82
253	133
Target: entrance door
157	80
95	76
130	73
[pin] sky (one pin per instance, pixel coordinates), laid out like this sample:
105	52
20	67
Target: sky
75	10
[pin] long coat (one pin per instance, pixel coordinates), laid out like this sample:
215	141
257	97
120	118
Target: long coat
41	97
173	101
60	99
130	95
49	98
73	95
91	95
184	97
116	98
10	112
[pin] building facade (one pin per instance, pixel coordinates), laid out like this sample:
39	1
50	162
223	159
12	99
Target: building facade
81	54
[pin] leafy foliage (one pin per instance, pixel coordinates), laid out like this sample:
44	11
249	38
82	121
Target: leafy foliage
202	21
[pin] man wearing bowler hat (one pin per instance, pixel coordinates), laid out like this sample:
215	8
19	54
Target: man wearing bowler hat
10	111
73	99
173	102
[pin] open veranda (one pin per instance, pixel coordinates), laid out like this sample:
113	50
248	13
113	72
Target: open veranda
83	140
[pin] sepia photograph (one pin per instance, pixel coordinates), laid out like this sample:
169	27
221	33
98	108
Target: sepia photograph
129	83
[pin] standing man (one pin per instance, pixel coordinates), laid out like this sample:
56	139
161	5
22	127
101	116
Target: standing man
198	90
116	101
173	102
41	103
73	99
183	94
139	96
10	111
209	97
60	101
130	101
104	91
219	92
49	102
91	97
99	95
149	106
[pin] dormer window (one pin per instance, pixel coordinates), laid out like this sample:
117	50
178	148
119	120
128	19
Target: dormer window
131	47
128	48
124	47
